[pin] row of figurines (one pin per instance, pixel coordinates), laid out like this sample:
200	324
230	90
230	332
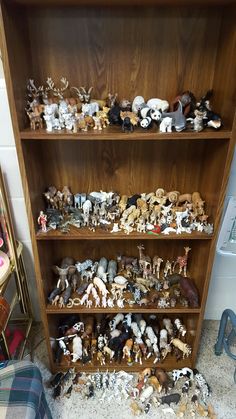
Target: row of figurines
131	336
150	388
154	212
135	281
83	113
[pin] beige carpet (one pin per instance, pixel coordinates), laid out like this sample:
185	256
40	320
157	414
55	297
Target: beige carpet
217	370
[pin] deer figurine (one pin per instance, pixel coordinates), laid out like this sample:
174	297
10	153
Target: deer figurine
182	261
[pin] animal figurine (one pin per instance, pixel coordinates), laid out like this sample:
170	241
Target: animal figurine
129	121
184	347
64	272
171	398
165	348
178	118
202	385
137	353
164	379
180	327
111	270
156	266
146	394
114	115
188	101
182	261
158	104
137	104
77	349
127	349
166	124
153	381
183	372
111	99
189	291
181	410
167	323
115	321
198	120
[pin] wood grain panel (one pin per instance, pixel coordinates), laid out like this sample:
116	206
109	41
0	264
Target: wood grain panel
111	50
120	2
53	252
126	167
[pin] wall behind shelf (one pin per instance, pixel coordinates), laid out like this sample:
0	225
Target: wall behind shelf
223	285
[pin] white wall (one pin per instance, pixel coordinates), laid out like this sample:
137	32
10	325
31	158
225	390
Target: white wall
222	289
223	283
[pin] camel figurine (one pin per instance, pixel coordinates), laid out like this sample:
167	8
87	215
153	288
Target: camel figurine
182	261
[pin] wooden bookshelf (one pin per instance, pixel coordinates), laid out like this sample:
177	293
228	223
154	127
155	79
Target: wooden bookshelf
155	48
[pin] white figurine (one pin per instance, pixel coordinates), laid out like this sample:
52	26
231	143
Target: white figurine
166	124
77	348
155	103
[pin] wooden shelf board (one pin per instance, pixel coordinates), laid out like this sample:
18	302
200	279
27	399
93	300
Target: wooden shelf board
168	364
115	133
127	309
85	234
120	2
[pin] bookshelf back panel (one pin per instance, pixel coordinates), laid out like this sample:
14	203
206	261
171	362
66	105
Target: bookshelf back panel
126	167
51	253
152	51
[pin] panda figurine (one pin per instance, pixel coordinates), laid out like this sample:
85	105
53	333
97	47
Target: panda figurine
149	115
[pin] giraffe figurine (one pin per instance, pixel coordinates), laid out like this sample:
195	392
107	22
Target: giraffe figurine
145	262
182	261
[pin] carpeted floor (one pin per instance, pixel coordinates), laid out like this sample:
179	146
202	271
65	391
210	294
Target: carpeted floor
218	371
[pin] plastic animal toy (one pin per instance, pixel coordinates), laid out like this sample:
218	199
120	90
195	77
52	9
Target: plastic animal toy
165	348
115	321
182	261
188	101
111	99
153	381
156	265
178	118
167	323
77	349
146	394
97	123
128	348
114	115
166	124
129	121
211	119
183	372
63	275
202	385
198	120
171	398
184	347
198	203
180	327
189	291
108	351
164	379
158	104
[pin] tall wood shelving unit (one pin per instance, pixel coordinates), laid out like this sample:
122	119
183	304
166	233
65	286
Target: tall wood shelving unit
154	48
